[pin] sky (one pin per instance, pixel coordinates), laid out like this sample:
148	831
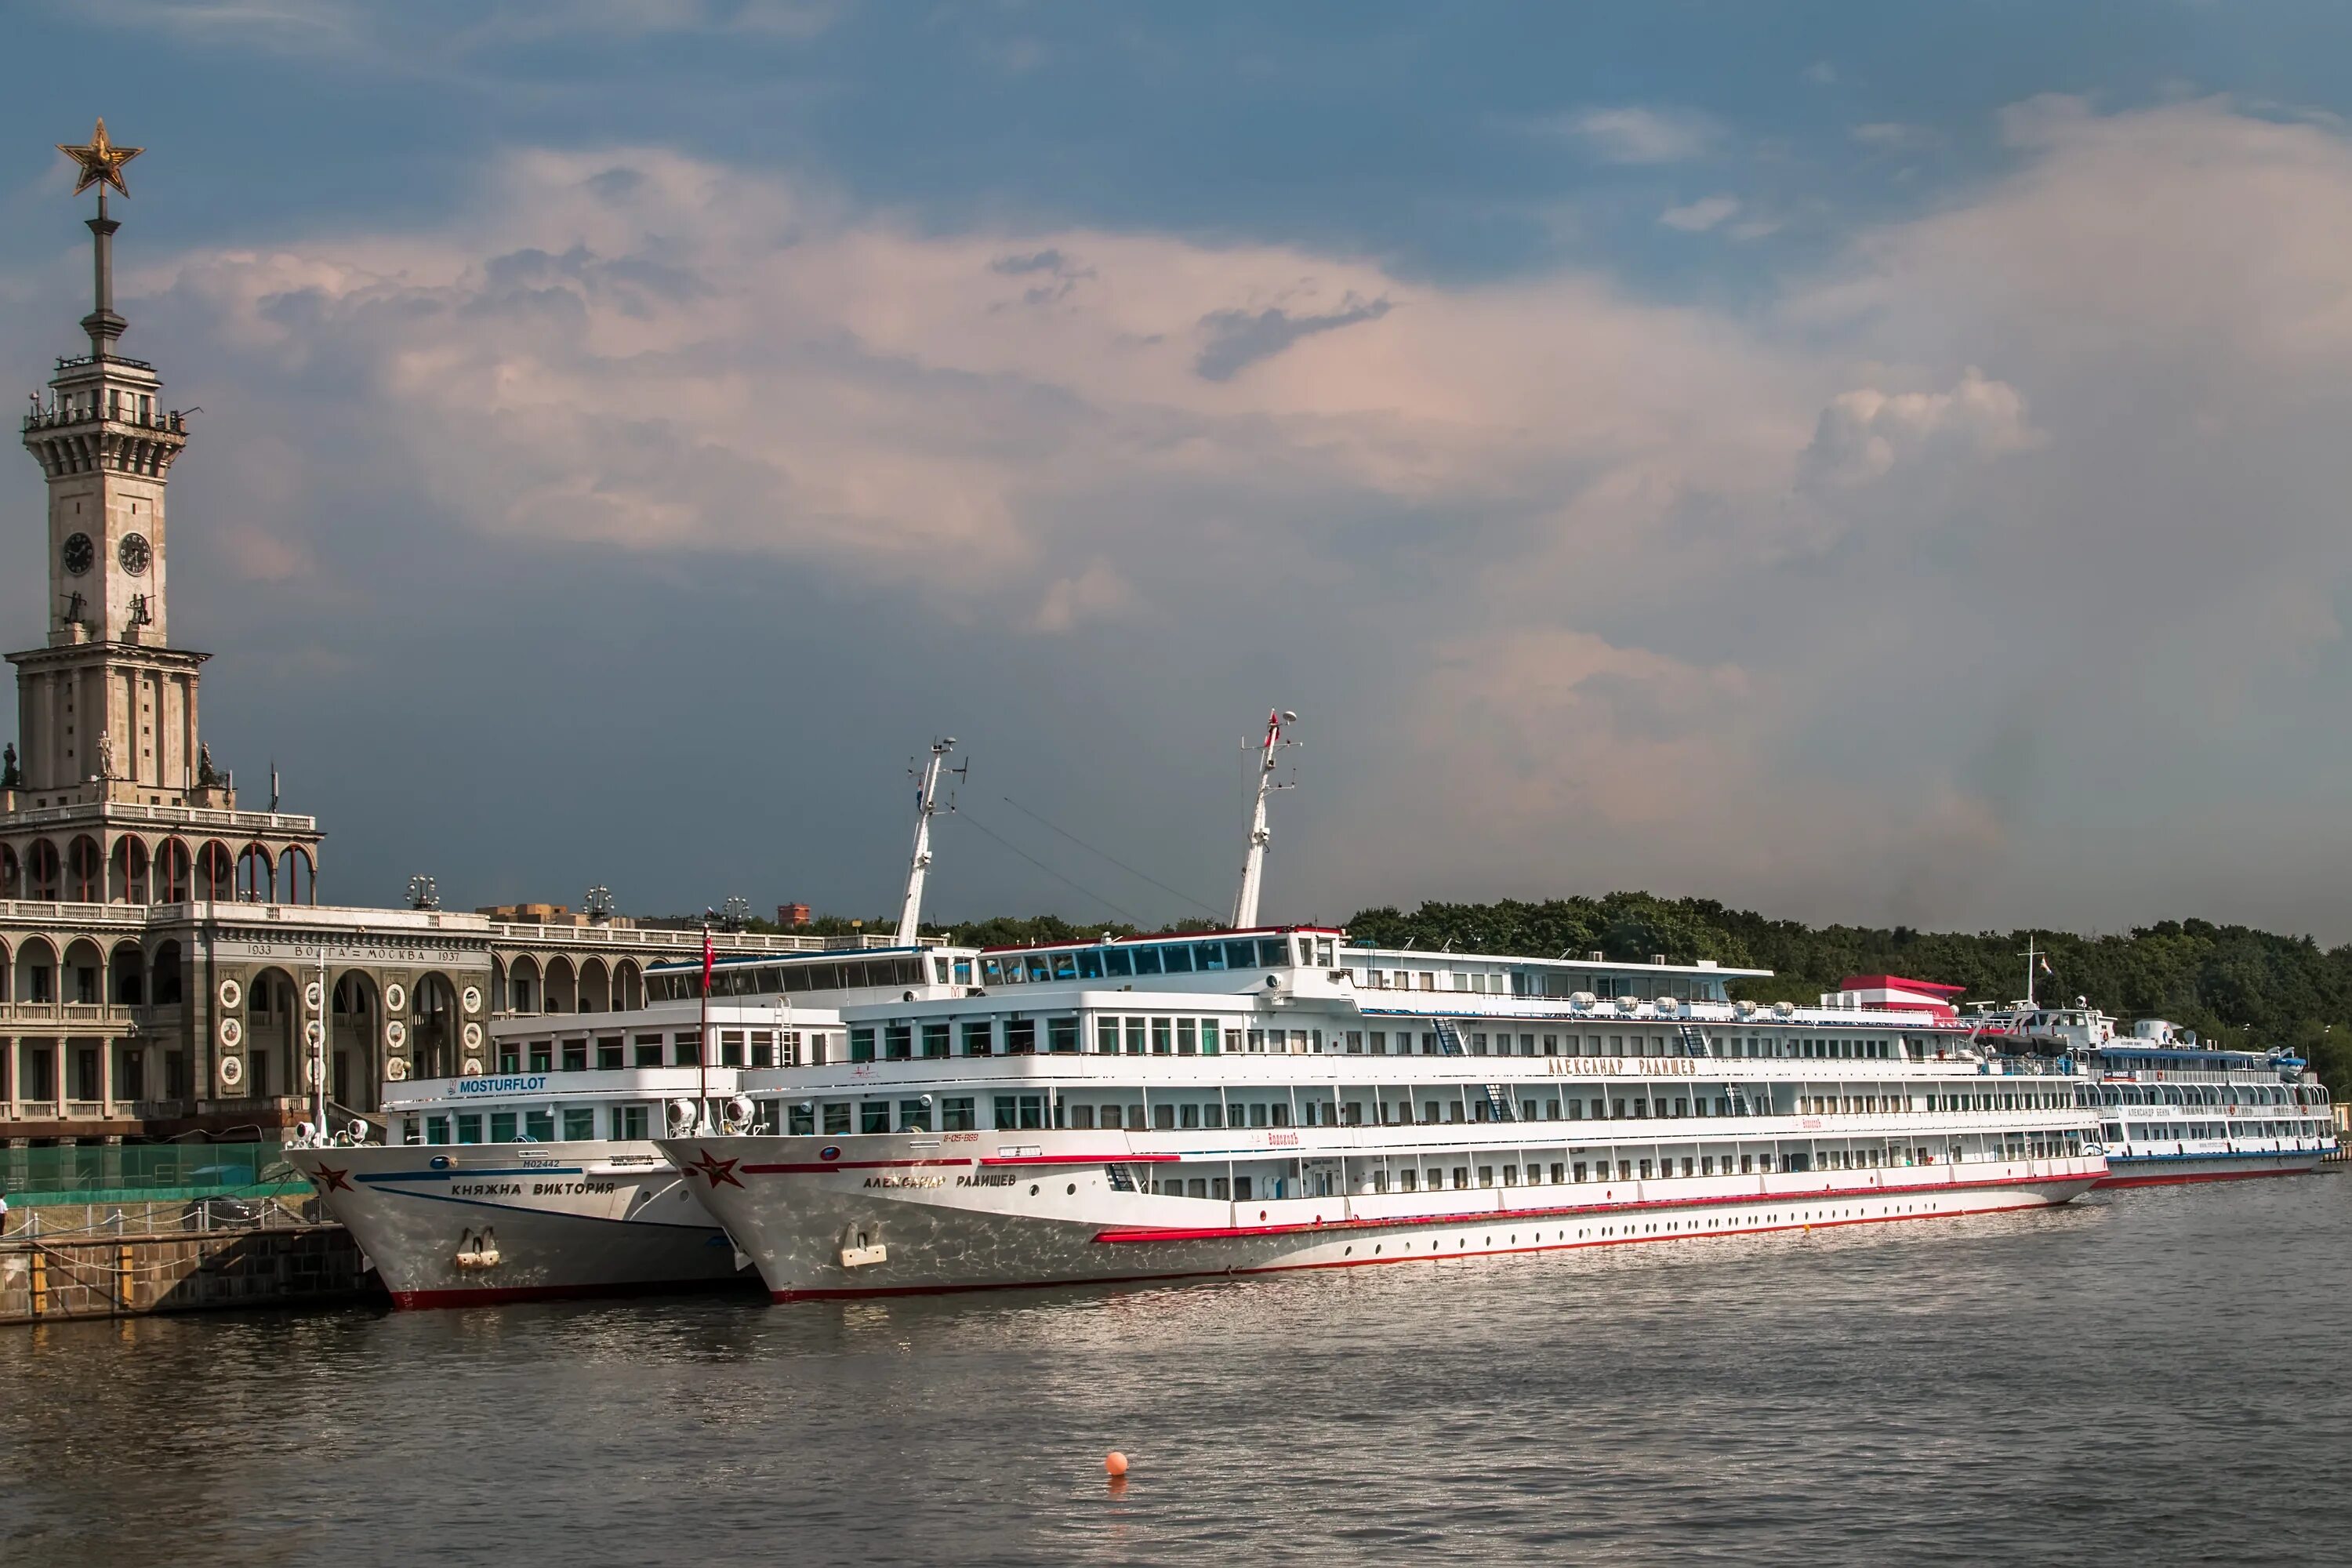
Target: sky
1876	464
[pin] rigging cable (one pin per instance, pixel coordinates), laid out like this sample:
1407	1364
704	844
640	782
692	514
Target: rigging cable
966	816
1107	854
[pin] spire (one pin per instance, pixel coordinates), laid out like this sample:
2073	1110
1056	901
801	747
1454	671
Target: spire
98	162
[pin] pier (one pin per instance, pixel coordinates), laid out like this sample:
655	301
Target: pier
127	1260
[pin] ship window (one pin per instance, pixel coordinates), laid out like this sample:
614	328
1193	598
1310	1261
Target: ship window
1176	960
1159	1036
608	1052
1208	1037
1240	954
995	972
1461	1175
1082	1117
1213	1116
1110	1116
1090	965
539	1126
955	1114
897	1042
649	1049
1066	967
1021	1037
1278	1114
1209	955
1038	966
1147	961
1007	1117
1187	1042
1257	1115
1106	1037
1033	1110
1188	1117
575	1055
629	1121
914	1116
436	1130
874	1116
836	1118
1117	961
1163	1119
502	1126
686	1048
1580	1170
542	1054
730	1048
978	1040
1061	1035
935	1039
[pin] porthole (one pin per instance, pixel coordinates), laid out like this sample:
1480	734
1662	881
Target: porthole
1033	1189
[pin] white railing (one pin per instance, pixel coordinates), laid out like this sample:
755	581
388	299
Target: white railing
103	1013
176	815
688	941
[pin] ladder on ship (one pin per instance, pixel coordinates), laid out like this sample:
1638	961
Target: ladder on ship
1449	1043
1695	1044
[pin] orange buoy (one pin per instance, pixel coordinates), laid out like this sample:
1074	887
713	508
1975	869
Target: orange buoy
1114	1463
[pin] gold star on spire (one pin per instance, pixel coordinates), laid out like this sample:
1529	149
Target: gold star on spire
100	162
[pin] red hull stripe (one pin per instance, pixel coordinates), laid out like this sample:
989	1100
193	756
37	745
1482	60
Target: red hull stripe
1490	1216
853	1293
495	1295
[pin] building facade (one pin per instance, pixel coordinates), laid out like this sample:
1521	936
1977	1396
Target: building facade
166	964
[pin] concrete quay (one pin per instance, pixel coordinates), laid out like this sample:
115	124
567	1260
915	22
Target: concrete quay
117	1260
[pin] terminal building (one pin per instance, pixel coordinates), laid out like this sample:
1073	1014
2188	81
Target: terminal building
168	964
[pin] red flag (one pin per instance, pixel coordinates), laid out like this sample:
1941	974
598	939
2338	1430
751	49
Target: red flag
710	958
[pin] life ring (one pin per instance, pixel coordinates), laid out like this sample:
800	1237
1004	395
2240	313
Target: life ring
472	997
395	997
397	1069
473	1067
232	1071
232	1033
231	995
313	994
314	1033
395	1034
472	1035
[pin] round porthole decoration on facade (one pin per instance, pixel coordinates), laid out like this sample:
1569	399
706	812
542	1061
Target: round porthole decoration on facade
232	1033
313	994
395	997
397	1069
395	1034
232	1071
473	1067
472	998
314	1071
231	995
473	1037
314	1033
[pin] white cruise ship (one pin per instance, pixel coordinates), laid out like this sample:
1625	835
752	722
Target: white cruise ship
1264	1098
534	1174
2171	1109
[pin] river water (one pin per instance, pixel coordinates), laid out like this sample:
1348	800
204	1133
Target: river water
2160	1375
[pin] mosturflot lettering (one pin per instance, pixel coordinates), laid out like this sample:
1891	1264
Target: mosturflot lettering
501	1085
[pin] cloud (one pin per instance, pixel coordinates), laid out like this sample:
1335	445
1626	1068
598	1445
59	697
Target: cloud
1637	135
1700	216
1239	338
1865	433
1892	136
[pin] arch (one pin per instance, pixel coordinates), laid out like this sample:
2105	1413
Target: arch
85	870
216	872
11	873
628	986
7	978
273	1024
36	979
433	1026
169	872
163	980
355	1043
563	985
595	986
257	875
127	870
44	870
126	974
525	992
297	875
82	976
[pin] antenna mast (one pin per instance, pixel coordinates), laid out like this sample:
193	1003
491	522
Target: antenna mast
2030	955
927	802
1253	862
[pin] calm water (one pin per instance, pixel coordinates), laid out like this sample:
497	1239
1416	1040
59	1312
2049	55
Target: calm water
2163	1375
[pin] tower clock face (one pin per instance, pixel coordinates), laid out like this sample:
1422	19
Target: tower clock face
134	554
79	554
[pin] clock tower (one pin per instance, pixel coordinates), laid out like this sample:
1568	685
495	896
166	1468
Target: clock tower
106	710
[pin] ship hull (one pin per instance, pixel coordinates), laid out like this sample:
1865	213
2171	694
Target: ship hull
482	1224
2177	1170
893	1226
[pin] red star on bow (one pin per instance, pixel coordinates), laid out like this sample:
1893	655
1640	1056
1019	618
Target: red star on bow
717	1170
331	1181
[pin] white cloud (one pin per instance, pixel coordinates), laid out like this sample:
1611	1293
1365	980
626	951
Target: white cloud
1638	135
1700	216
1865	432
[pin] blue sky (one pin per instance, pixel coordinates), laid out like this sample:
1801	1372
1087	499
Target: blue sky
1868	463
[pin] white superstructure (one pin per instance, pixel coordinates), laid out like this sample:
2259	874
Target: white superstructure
1237	1102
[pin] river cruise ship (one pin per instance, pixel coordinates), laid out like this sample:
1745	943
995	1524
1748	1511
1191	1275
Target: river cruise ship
1278	1098
2172	1109
534	1172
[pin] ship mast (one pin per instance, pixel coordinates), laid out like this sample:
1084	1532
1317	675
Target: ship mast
927	802
2030	955
1254	861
